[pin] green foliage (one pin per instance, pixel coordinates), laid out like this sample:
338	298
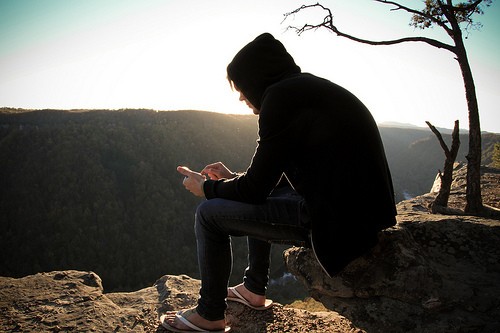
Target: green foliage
436	12
496	156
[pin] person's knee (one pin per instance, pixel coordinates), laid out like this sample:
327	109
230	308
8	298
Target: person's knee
205	213
206	209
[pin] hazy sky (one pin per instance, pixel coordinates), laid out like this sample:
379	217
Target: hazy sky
172	54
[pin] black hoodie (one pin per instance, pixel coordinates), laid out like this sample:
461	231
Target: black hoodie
258	65
326	143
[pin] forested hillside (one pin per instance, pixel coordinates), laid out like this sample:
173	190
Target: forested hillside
98	190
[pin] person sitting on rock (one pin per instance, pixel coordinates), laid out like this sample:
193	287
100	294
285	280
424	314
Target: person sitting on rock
319	177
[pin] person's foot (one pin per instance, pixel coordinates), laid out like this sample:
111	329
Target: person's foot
193	318
254	300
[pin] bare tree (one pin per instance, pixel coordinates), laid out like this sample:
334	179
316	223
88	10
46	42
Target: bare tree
452	18
446	177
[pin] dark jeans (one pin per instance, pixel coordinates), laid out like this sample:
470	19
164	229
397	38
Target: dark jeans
282	218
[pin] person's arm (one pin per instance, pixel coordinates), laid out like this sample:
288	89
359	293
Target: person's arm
269	161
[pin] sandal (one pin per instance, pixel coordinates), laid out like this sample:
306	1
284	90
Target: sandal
182	317
240	299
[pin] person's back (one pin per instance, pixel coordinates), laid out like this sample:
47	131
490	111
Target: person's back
330	147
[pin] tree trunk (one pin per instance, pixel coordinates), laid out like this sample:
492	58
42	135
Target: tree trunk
474	204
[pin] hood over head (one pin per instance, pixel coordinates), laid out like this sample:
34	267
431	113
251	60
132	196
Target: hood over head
261	63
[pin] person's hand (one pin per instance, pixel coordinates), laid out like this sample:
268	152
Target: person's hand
217	170
193	181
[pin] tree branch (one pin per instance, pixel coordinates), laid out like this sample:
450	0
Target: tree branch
440	138
328	24
419	13
471	7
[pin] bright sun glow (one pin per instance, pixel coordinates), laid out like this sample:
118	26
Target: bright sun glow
171	55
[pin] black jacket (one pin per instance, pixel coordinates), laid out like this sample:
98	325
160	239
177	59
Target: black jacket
325	141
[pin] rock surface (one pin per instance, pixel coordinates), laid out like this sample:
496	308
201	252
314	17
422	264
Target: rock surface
430	273
73	301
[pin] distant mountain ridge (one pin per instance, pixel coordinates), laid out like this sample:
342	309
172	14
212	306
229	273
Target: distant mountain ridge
424	128
441	130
